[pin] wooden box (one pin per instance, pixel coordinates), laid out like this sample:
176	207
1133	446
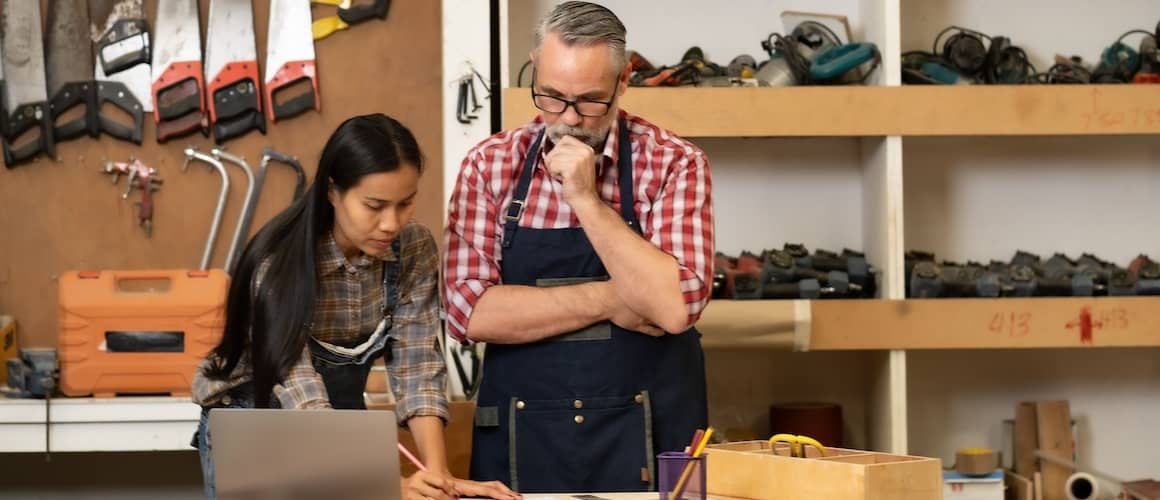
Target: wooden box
750	470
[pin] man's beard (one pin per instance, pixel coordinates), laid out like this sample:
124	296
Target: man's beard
594	140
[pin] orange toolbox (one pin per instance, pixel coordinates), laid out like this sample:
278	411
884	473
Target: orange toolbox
137	332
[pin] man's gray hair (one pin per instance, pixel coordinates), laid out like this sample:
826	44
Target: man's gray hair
584	24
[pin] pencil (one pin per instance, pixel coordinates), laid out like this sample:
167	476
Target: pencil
676	493
411	457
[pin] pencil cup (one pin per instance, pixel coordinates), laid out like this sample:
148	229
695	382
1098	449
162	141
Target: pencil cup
672	466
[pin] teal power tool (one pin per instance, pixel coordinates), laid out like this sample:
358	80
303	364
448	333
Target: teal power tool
812	54
967	57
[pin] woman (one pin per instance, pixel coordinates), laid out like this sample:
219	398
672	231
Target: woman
339	278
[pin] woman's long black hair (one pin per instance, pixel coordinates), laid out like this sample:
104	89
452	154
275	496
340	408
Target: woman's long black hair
271	324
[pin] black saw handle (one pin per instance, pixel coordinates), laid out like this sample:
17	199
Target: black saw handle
117	94
360	13
122	30
227	129
69	96
235	99
294	105
26	117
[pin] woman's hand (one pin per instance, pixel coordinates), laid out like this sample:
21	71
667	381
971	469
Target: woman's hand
491	489
428	486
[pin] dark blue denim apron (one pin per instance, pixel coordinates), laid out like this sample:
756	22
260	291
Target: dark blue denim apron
588	410
345	377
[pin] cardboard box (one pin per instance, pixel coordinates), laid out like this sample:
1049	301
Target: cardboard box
751	470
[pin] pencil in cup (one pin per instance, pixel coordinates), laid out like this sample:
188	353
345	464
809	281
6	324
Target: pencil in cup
672	466
690	464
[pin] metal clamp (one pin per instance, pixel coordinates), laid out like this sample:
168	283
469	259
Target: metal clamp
243	226
193	154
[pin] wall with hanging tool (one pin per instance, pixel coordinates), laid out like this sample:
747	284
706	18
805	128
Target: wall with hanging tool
63	213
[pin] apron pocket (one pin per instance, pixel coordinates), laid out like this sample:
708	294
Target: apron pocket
583	444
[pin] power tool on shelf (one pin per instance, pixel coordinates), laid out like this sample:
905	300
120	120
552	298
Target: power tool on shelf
813	54
967	56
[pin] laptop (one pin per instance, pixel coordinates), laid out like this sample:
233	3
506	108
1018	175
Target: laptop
304	454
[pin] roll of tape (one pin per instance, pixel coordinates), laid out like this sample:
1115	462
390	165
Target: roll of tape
1083	486
976	461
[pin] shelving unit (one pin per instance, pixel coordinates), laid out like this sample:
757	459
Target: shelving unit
915	111
859	324
988	170
98	424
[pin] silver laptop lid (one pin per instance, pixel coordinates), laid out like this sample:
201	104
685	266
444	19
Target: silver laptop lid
290	454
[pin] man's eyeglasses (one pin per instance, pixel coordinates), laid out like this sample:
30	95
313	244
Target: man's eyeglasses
553	104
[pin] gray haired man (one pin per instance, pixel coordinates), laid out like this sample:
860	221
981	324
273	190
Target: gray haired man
578	246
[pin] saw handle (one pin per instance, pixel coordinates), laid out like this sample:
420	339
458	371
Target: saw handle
182	126
70	95
125	45
225	130
178	99
117	94
235	99
359	13
25	118
290	107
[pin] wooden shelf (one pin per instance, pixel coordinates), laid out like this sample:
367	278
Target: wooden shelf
882	111
873	324
98	424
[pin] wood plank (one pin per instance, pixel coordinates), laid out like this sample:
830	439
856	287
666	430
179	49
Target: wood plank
1053	421
1026	439
916	110
748	324
985	323
1018	487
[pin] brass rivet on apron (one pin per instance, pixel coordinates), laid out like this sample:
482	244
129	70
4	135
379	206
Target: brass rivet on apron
579	419
639	398
520	405
578	404
226	400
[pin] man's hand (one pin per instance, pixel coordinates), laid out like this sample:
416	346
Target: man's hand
573	163
491	489
428	486
620	315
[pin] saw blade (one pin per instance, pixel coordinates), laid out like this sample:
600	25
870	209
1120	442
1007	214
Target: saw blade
23	54
229	35
70	53
176	34
289	38
104	16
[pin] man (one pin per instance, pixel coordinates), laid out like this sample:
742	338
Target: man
579	247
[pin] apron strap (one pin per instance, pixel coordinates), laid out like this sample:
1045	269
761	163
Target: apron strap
624	168
515	210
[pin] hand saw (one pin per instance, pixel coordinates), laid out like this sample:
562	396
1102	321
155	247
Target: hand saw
290	59
178	84
70	70
121	36
26	95
231	70
347	15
